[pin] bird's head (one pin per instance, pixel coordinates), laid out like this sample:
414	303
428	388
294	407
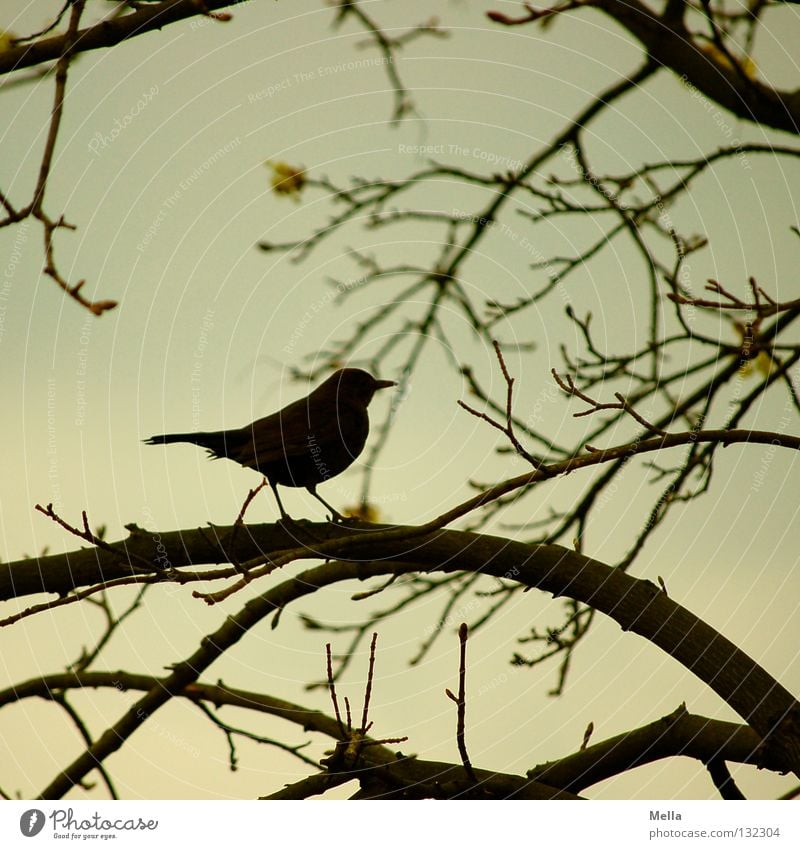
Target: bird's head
354	385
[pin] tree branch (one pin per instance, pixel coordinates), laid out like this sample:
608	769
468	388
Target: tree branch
108	33
678	734
637	605
672	45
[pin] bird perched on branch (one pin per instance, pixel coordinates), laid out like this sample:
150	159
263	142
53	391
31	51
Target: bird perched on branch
304	444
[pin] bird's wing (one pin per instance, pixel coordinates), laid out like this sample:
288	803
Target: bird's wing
295	430
269	440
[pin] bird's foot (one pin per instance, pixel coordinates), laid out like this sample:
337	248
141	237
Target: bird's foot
287	522
297	530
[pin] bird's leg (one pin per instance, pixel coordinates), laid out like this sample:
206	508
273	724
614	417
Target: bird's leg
285	517
336	516
293	527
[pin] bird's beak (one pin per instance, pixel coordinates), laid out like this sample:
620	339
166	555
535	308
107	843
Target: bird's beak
384	384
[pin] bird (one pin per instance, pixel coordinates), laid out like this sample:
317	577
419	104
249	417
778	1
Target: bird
306	443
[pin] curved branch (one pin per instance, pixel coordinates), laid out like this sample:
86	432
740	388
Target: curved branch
637	605
678	734
107	33
63	573
671	44
61	700
667	40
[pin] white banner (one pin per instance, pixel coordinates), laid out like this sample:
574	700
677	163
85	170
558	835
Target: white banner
349	825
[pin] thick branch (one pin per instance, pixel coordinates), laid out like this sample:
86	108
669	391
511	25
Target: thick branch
382	771
670	43
107	33
637	605
65	572
679	733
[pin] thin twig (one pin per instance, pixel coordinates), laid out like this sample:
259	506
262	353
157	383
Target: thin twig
332	690
231	731
570	388
461	702
87	535
733	302
370	676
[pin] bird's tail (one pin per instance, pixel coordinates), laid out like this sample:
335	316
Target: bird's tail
214	441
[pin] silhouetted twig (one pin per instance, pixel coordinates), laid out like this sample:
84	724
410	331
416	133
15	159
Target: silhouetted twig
461	702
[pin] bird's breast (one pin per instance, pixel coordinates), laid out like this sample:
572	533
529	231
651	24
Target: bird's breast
324	445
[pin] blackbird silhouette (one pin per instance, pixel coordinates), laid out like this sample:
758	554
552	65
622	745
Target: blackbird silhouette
308	442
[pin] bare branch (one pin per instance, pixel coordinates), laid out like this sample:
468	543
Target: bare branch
732	302
461	702
35	208
107	33
595	406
